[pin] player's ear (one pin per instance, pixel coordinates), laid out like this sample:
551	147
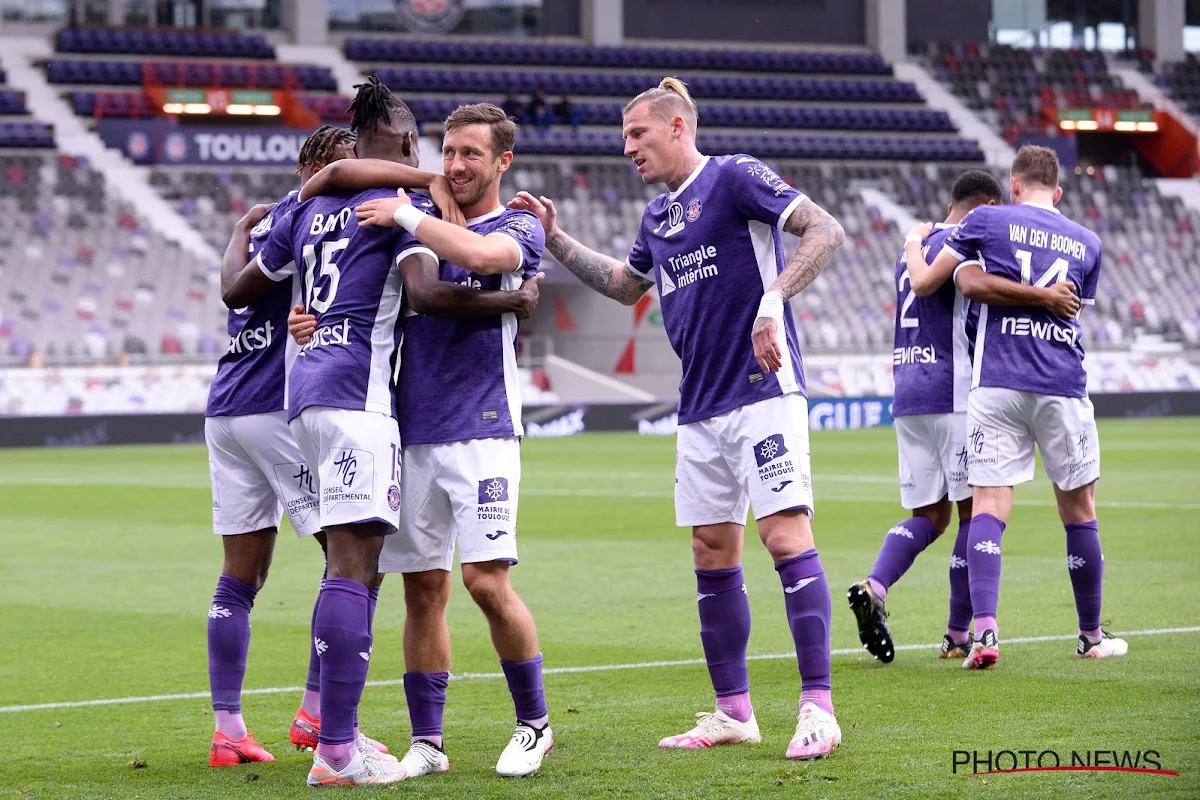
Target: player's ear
949	209
505	161
1057	195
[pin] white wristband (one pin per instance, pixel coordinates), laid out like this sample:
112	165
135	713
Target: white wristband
408	217
913	238
771	306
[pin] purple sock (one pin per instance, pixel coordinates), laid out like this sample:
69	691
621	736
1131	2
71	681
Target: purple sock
960	587
426	695
372	601
525	685
313	682
809	610
725	633
983	568
901	546
228	642
343	642
1085	562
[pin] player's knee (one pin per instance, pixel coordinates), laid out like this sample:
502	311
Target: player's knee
939	514
1077	506
786	534
426	592
490	590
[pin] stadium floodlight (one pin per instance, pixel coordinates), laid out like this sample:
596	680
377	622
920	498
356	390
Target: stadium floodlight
1125	126
1067	124
1147	127
267	110
239	109
1087	125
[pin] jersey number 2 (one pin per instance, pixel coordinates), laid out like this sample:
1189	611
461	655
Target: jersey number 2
905	320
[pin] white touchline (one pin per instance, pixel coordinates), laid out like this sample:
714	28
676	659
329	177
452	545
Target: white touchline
464	676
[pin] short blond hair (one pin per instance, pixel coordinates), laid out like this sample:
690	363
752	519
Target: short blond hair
667	100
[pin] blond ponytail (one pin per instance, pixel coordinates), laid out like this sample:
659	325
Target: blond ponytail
669	99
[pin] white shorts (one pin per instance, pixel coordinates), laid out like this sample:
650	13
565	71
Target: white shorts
754	455
933	458
464	492
257	474
1004	424
356	458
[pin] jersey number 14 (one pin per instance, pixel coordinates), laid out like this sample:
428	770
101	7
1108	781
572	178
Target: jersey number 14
1056	274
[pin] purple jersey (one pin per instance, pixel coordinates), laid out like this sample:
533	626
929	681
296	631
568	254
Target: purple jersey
930	363
252	375
1029	349
458	377
352	287
714	246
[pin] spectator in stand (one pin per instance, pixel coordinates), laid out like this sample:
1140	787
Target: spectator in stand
513	107
566	113
538	112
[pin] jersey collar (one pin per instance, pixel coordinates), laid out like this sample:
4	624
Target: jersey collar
939	226
696	172
1046	206
497	211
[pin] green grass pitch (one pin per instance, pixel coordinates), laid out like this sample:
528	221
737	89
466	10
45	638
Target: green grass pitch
109	564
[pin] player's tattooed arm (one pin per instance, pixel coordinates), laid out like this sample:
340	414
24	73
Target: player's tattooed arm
926	277
977	285
605	274
820	237
243	283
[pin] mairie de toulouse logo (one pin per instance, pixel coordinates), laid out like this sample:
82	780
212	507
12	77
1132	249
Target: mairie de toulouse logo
430	16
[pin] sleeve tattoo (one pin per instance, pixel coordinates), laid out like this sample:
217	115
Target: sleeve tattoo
820	236
605	274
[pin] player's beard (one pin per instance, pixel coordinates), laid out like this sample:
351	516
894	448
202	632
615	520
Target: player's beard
474	192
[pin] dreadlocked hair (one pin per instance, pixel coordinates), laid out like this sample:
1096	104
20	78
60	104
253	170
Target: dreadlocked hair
375	105
322	145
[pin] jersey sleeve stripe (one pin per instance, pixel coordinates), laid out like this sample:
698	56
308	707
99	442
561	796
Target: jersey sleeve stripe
787	212
275	275
637	271
520	250
957	255
969	263
403	254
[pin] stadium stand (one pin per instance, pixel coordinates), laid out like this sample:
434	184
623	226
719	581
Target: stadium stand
92	281
1182	80
166	42
738	88
1011	88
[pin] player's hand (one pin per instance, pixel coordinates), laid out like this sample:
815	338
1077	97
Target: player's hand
527	295
921	230
443	198
542	207
766	344
1062	300
301	325
379	212
255	215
